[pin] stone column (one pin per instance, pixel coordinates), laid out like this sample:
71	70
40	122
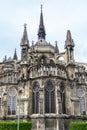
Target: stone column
72	108
57	100
5	107
57	124
41	101
68	101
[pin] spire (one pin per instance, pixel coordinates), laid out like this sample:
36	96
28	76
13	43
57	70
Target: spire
68	36
41	30
15	55
56	47
24	40
69	41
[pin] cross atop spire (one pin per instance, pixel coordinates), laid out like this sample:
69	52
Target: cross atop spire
41	30
24	40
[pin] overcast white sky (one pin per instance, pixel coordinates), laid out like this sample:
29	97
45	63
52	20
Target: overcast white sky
59	16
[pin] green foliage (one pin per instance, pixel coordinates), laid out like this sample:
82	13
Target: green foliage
13	125
78	126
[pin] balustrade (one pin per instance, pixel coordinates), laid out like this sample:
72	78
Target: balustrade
46	71
80	77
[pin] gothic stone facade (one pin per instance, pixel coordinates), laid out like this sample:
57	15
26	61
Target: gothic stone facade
51	86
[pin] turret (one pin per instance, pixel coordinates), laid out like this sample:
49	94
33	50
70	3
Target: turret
69	46
56	47
24	45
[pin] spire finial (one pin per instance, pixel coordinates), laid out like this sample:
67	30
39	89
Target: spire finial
25	25
41	7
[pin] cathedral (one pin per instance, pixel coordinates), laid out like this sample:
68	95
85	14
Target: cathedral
45	86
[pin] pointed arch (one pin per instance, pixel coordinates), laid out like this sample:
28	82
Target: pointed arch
49	97
35	97
12	99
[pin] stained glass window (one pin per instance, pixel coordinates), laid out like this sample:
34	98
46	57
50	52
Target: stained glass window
49	98
12	101
80	94
35	98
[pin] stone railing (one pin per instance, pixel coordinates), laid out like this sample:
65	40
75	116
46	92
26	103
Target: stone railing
12	78
46	71
80	77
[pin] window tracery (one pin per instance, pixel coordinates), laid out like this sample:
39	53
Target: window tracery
35	98
80	94
62	96
12	101
49	98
